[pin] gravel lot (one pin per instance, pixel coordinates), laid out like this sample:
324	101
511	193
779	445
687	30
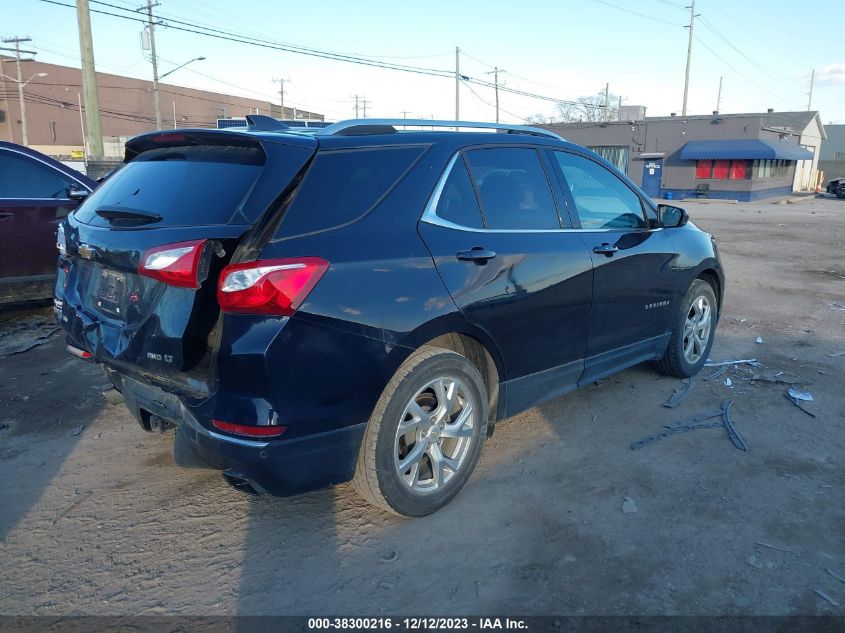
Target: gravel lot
96	519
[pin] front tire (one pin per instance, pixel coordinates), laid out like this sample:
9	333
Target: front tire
692	332
425	435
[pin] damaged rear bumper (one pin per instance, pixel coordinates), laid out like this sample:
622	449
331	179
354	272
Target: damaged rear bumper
279	467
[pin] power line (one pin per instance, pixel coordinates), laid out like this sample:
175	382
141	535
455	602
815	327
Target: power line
741	74
243	39
637	13
246	39
775	76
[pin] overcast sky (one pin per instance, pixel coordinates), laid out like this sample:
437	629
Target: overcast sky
764	49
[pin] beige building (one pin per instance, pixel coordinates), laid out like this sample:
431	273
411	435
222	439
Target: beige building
54	124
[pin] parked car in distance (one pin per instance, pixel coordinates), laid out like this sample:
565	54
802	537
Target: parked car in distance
834	184
36	193
366	302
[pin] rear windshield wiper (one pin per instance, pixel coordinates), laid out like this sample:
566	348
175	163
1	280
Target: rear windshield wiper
128	217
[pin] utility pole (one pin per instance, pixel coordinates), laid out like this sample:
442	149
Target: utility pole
17	42
719	97
619	109
356	106
364	103
281	95
495	72
812	81
692	16
151	30
94	139
606	116
457	83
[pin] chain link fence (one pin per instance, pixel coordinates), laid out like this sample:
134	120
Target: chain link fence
98	169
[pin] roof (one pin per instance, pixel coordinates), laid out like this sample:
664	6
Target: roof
796	122
744	148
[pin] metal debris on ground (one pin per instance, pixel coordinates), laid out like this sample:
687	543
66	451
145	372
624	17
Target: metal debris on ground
681	426
629	506
24	335
826	597
78	430
716	374
837	306
759	340
736	438
728	382
798	404
806	396
835	575
721	363
774	547
679	395
836	354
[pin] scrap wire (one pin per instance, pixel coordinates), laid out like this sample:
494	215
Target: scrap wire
729	426
695	424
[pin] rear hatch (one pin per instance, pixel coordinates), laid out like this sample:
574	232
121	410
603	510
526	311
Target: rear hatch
140	258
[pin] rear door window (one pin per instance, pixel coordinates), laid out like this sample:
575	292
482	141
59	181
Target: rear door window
184	185
458	203
514	189
24	177
602	199
342	186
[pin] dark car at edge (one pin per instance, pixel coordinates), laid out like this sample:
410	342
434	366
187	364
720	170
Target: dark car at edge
36	193
365	303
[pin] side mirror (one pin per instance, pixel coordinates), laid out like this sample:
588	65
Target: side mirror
671	217
77	193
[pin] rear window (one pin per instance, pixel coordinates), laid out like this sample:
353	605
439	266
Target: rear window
184	185
342	186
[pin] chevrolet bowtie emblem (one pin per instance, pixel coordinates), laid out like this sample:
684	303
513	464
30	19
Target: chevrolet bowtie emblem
88	252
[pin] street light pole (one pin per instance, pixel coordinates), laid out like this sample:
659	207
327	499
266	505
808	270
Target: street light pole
191	61
21	85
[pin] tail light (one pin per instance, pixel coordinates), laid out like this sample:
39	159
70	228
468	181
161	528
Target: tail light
270	286
249	430
174	264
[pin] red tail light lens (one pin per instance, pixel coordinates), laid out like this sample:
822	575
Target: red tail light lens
174	264
248	430
269	286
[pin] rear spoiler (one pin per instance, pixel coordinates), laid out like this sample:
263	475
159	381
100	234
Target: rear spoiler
210	137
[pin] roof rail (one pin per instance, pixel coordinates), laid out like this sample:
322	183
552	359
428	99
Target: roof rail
382	126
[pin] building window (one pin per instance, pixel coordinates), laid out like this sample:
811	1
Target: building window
616	155
739	169
839	156
704	169
742	169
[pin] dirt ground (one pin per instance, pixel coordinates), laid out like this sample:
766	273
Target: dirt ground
96	519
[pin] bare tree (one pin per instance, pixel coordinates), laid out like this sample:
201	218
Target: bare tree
537	117
589	109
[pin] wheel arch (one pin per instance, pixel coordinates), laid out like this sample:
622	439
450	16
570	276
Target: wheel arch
713	278
458	335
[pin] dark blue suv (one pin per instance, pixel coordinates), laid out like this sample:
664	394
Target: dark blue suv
365	302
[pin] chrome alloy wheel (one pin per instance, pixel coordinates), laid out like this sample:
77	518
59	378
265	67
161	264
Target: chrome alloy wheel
434	434
697	329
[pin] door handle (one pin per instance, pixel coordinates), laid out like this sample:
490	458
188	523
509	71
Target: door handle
476	254
605	249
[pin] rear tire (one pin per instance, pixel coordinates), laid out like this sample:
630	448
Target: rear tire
439	400
693	332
